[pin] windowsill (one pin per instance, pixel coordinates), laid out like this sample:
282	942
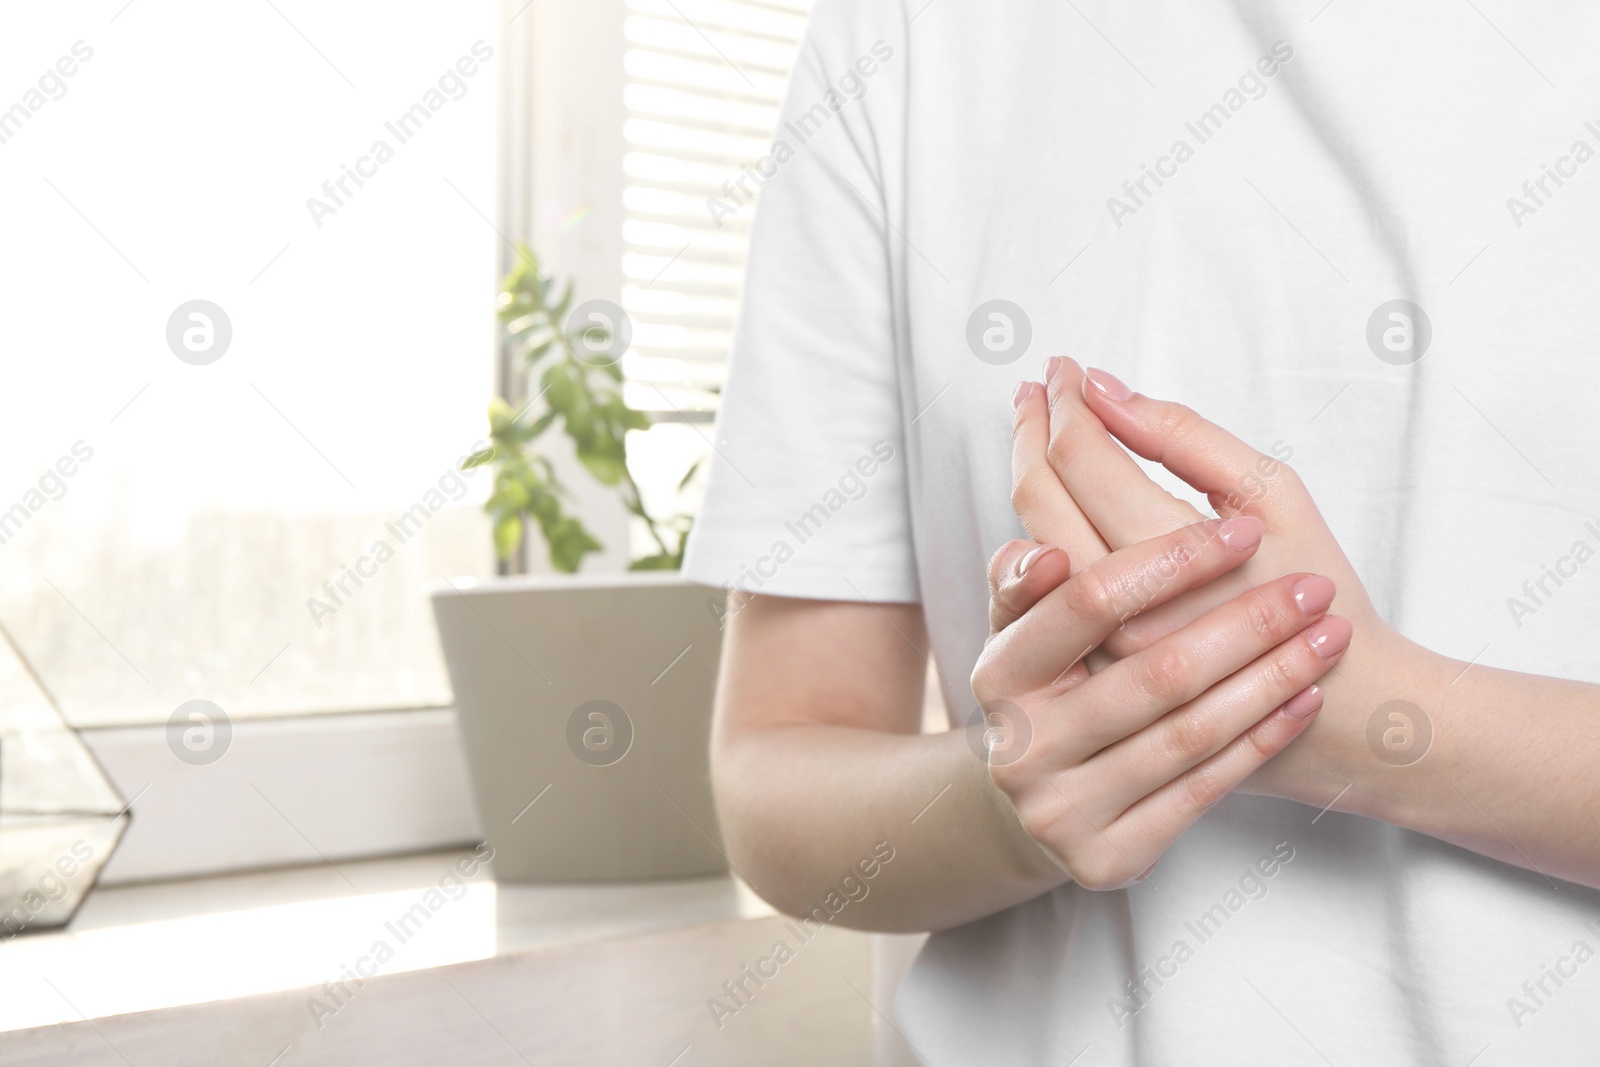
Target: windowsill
289	792
175	967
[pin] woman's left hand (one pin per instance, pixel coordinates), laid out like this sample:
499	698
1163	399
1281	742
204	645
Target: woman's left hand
1075	486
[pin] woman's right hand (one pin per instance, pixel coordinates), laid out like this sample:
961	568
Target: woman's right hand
1105	771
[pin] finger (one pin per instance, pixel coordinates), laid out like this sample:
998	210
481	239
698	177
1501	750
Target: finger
1145	629
1122	775
1234	476
1031	654
1046	509
1161	711
1020	574
1153	823
1115	495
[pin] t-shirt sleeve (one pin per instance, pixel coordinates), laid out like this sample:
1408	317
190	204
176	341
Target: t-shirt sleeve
808	483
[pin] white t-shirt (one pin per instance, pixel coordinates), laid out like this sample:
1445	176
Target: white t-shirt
1313	166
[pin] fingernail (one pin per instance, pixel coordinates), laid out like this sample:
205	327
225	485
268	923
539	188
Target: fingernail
1030	559
1305	703
1023	388
1242	532
1331	636
1052	367
1314	594
1109	385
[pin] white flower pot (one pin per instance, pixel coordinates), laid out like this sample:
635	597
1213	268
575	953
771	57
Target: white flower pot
585	706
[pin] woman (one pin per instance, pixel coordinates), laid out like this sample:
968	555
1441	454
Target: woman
1377	844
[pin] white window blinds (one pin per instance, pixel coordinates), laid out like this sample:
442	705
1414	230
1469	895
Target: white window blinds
703	83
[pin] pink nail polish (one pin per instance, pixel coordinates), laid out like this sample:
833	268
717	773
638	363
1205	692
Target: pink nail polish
1305	703
1314	594
1108	384
1052	367
1242	532
1023	388
1331	636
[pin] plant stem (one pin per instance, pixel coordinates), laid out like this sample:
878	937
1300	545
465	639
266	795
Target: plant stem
633	497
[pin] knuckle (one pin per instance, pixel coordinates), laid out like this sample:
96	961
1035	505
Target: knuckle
1281	673
1090	597
1261	742
1099	869
1177	420
1029	491
1011	782
1202	788
983	681
1064	449
1185	550
1025	495
1277	483
1164	673
1190	739
1262	618
1040	821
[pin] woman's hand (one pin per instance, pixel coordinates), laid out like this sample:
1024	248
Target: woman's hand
1507	770
1106	770
1075	483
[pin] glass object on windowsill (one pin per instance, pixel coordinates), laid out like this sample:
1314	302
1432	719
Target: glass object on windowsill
60	816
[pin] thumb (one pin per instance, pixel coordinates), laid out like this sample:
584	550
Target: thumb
1020	575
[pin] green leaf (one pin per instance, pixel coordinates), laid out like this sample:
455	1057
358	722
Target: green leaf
560	391
507	534
537	352
477	459
510	494
569	543
540	425
524	272
500	417
604	455
607	470
558	313
544	506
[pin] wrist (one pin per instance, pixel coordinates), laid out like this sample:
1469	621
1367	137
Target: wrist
1386	723
1360	755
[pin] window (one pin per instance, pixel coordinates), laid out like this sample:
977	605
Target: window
191	181
260	530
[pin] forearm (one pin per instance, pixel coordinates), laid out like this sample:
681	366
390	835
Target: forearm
1508	772
804	805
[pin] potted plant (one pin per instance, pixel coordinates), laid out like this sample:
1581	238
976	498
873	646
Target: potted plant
577	355
584	701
